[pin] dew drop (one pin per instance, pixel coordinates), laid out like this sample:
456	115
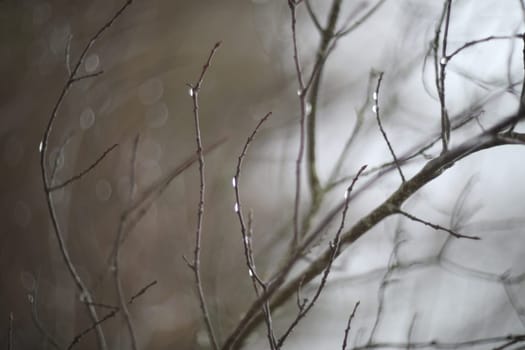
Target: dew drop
236	207
299	92
443	61
190	92
346	194
250	272
40	146
234	182
374	96
30	298
374	108
308	108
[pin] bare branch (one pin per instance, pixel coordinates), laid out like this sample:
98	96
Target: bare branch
348	324
83	172
385	137
109	315
434	226
334	249
194	92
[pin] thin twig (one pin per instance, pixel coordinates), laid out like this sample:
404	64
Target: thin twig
435	344
81	174
378	119
302	119
116	258
10	340
348	324
195	265
334	248
441	73
109	315
482	40
246	235
434	226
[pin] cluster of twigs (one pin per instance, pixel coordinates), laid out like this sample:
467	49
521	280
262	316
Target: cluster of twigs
282	286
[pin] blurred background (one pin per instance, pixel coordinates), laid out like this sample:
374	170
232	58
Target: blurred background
148	56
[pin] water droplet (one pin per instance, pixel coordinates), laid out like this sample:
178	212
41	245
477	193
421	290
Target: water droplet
236	207
443	61
41	146
91	63
374	108
346	194
190	92
234	182
250	272
246	240
307	108
87	118
374	96
299	92
103	190
30	298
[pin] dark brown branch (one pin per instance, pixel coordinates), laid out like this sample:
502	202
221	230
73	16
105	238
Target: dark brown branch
434	226
10	328
109	315
348	325
479	41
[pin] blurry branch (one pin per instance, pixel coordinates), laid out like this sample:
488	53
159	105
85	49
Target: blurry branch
360	114
10	332
33	300
302	102
334	247
435	344
83	172
378	119
246	233
468	44
385	282
348	325
109	315
348	28
73	77
195	265
440	64
116	257
140	207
